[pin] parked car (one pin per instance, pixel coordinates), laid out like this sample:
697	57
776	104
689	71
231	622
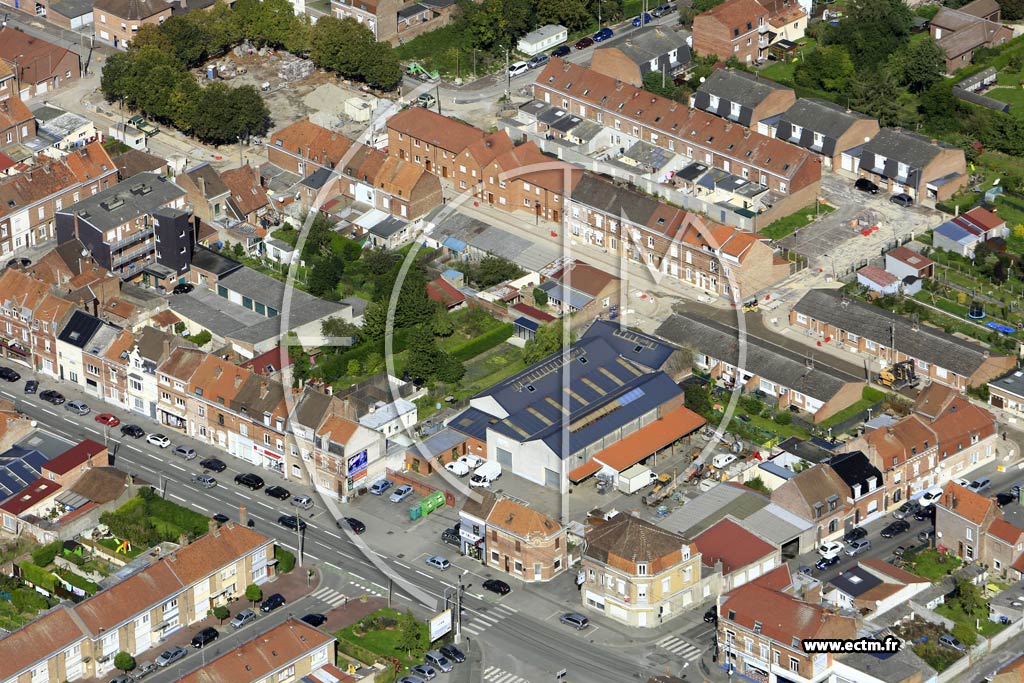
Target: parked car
854	534
31	386
865	185
250	481
497	586
204	481
561	51
77	407
1005	498
826	562
473	461
183	288
949	641
246	616
355	525
272	603
171	655
584	42
742	417
902	199
1015	489
401	493
205	637
302	502
518	69
574	619
380	486
186	452
145	670
453	653
411	679
646	18
293	522
898	527
19	262
711	616
930	496
858	546
926	536
213	464
830	549
108	419
9	374
925	513
51	396
437	660
451	537
123	679
314	620
279	492
898	552
158	440
908	508
537	61
979	485
424	671
662	10
438	562
458	468
134	431
960	481
603	34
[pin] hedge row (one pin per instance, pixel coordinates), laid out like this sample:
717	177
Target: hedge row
485	342
37	576
44	556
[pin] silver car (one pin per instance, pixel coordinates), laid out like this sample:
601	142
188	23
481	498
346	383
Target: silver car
244	618
861	545
171	655
77	407
204	481
186	452
438	562
575	619
304	502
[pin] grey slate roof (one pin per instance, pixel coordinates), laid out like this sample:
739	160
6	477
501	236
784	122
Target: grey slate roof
855	581
72	9
1012	382
916	151
753	510
926	343
889	666
312	408
594	191
643	45
763	358
137	196
212	262
818	116
855	468
80	329
745	89
388	227
530	254
204	174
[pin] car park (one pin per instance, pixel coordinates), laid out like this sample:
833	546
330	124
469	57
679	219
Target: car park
31	386
380	486
183	288
158	440
355	525
453	653
401	493
979	485
584	42
538	61
561	51
314	620
292	522
204	481
865	185
497	586
424	671
213	464
171	655
9	374
830	549
249	481
603	34
438	562
826	562
898	527
646	17
134	431
302	502
205	637
858	546
908	508
459	469
108	419
902	199
272	603
279	492
574	619
855	534
186	452
51	396
518	69
76	407
244	618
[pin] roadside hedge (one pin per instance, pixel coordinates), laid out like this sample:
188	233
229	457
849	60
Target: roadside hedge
285	559
485	342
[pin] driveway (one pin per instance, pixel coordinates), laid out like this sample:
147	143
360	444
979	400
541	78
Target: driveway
836	239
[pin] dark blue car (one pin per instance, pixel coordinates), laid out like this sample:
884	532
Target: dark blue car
561	51
603	34
647	19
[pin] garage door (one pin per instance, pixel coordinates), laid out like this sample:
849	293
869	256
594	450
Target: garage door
616	612
847	162
997	401
504	457
552	479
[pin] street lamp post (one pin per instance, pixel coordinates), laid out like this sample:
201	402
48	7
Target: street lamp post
833	259
458	613
298	534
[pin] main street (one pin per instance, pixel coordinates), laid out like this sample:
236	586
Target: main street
519	633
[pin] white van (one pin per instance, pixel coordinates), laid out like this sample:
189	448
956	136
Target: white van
486	474
723	460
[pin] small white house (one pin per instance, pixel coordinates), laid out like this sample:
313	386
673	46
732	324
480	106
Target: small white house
129	135
878	280
280	251
390	418
543	38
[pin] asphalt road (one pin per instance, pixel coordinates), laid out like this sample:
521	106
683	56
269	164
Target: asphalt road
528	637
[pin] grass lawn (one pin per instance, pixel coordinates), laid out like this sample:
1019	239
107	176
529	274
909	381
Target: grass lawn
799	219
385	642
929	564
768	424
112	544
1015	96
988	628
781	72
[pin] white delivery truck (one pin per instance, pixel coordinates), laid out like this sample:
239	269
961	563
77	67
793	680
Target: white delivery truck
636	478
486	474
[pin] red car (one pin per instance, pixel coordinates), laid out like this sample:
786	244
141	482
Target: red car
584	43
108	419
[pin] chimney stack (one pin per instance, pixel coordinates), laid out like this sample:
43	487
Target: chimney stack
243	515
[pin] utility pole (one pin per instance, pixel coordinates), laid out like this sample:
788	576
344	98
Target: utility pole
508	76
298	533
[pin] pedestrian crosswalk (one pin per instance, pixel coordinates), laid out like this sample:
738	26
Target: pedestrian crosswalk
495	675
331	596
475	622
680	648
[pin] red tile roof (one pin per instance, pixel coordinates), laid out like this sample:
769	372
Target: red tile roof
910	257
736	13
984	218
37	491
968	504
532	313
892	571
442	291
650	438
270	362
440	131
732	545
76	456
1004	531
783	617
47	635
879	276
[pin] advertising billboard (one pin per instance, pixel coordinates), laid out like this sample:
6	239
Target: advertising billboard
440	625
357	463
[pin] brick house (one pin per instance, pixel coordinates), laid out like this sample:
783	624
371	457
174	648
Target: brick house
247	199
347	457
833	132
820	496
735	28
396	21
637	573
42	66
761	625
430	140
651	49
865	485
205	192
67	467
516	539
32	321
16	121
580	289
116	22
962	522
924	168
743	98
526	179
975	26
831	318
173	378
630	115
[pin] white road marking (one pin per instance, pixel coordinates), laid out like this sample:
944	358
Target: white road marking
200	507
424	574
334	535
311	555
333	566
177	466
94	431
6	394
175	497
357	576
50	412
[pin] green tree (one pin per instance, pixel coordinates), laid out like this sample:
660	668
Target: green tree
116	75
380	67
155	76
441	323
449	369
704	5
221	613
411	635
285	559
827	68
661	84
373	362
609	11
253	593
573	14
336	327
187	38
423	354
339	44
324	277
375	319
757	483
221	26
353	368
877	95
872	30
547	341
920	65
493	270
697	399
124	661
250	114
273	23
540	297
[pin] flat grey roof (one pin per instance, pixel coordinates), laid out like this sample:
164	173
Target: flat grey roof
1012	383
137	196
